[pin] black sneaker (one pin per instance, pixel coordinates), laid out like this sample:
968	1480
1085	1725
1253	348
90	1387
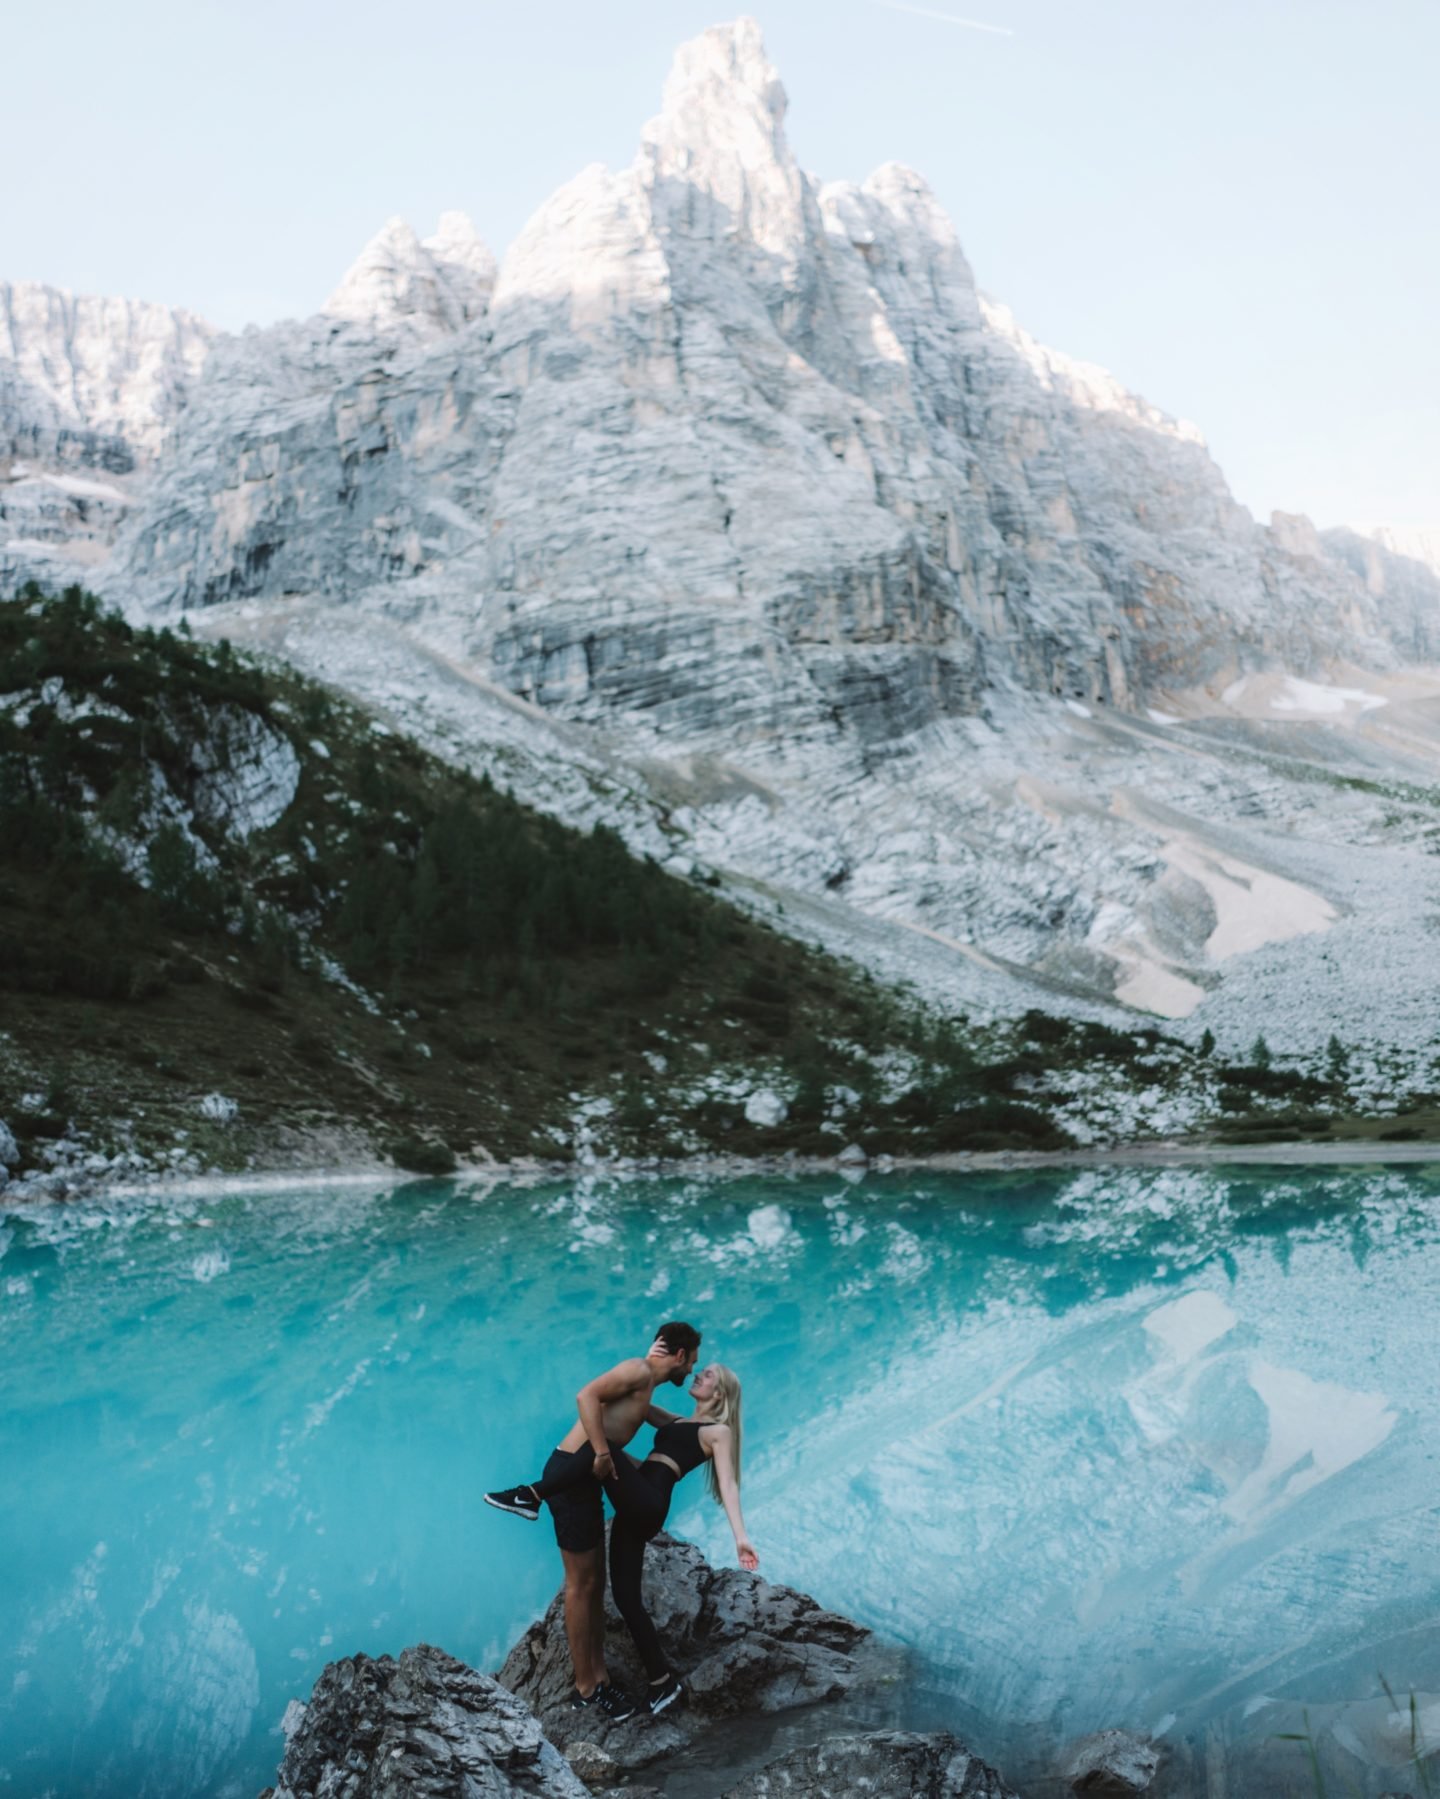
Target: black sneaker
581	1702
615	1702
665	1694
519	1500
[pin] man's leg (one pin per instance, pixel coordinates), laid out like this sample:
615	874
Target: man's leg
597	1619
585	1615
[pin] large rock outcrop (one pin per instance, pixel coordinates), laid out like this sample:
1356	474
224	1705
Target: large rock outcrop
750	1652
881	1765
420	1726
89	388
741	1645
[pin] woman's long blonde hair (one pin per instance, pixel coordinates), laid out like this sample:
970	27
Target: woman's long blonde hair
725	1410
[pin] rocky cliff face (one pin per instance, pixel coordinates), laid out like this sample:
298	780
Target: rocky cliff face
735	451
88	390
737	485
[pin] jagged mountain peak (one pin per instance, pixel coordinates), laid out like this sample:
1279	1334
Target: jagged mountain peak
466	261
445	280
455	239
725	60
393	277
719	137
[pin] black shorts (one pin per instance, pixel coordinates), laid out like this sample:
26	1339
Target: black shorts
576	1512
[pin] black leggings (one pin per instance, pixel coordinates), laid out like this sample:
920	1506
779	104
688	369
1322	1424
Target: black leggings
640	1493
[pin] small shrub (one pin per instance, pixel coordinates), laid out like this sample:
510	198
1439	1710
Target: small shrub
1042	1027
762	987
1001	1124
59	1091
422	1155
311	1047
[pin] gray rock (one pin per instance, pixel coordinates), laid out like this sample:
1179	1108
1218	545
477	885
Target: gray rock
852	1156
89	387
765	1107
9	1148
423	1727
1110	1762
887	1764
594	1765
739	1644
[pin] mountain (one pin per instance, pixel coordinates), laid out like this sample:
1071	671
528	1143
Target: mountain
735	511
398	282
1413	542
88	390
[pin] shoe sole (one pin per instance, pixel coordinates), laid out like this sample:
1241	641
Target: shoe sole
515	1511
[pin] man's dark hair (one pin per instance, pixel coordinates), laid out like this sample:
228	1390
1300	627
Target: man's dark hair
678	1337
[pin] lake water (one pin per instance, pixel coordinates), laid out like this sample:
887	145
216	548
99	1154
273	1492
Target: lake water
1151	1448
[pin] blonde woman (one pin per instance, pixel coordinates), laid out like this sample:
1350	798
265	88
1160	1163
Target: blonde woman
641	1491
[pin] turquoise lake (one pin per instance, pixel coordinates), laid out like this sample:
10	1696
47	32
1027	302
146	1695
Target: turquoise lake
1152	1448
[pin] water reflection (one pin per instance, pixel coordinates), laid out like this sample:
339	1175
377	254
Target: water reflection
1153	1448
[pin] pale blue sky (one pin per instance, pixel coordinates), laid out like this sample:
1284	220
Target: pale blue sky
1231	203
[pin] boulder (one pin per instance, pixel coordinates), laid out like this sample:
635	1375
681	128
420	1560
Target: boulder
9	1148
740	1644
422	1726
885	1764
594	1765
765	1108
1111	1762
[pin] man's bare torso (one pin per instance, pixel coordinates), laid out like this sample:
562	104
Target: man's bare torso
623	1416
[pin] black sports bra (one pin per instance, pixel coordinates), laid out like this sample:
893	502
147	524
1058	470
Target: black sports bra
681	1443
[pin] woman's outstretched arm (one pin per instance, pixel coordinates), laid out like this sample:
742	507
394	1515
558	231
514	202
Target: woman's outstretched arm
657	1415
724	1457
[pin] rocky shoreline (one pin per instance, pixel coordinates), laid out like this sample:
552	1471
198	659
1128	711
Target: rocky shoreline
77	1182
424	1723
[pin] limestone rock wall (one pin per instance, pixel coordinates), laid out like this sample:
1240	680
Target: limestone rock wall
89	387
730	453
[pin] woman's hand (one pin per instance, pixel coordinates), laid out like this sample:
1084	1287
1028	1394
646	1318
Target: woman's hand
604	1466
748	1554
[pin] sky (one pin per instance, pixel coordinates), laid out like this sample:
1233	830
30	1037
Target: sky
1231	204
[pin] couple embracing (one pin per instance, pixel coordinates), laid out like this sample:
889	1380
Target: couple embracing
591	1459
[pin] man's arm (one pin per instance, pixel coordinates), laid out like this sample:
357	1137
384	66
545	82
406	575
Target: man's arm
625	1377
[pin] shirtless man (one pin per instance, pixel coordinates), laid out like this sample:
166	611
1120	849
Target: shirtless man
612	1408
